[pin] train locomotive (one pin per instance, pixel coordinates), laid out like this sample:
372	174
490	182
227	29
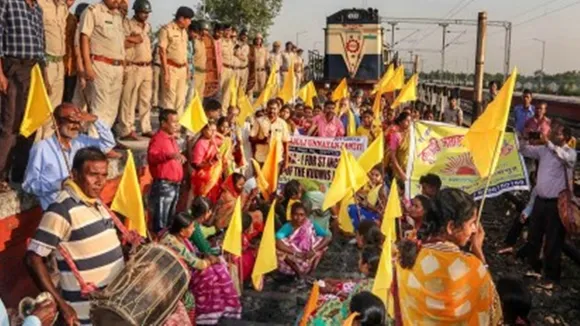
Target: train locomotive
354	47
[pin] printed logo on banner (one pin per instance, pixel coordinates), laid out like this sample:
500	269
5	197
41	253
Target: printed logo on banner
436	148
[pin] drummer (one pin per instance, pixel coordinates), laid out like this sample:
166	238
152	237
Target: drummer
79	222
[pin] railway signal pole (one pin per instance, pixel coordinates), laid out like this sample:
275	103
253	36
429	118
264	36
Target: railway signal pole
443	46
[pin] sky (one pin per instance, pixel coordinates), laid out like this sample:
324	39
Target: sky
538	19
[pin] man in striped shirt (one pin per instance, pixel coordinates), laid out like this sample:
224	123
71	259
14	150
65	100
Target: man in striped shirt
78	222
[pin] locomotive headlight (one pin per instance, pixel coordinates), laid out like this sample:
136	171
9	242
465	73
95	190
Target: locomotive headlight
353	15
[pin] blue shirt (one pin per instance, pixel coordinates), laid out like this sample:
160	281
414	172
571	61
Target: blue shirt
521	115
28	321
47	169
286	230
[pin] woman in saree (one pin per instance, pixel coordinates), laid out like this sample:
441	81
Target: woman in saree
397	139
292	193
414	216
215	294
206	162
232	189
438	283
371	201
177	238
300	244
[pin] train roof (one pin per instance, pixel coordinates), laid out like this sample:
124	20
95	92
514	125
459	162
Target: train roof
354	16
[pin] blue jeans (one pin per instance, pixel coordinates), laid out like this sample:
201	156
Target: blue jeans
162	202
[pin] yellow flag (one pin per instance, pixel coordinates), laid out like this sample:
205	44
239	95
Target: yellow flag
374	154
261	180
269	89
233	238
384	277
408	93
351	130
38	107
377	107
194	118
344	221
128	199
485	137
246	109
392	212
288	90
307	93
373	195
350	320
266	260
310	304
271	167
384	79
397	82
232	90
349	177
341	91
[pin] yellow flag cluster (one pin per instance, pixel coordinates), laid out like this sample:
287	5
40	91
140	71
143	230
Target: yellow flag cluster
485	137
269	89
307	93
38	108
233	237
348	178
397	82
287	92
129	200
194	118
341	91
408	93
266	260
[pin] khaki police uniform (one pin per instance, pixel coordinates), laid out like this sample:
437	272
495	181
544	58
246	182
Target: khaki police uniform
54	16
138	85
243	72
104	27
276	58
199	64
228	71
299	69
174	40
287	59
260	65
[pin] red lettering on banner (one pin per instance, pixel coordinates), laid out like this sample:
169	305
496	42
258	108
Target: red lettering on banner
428	154
452	141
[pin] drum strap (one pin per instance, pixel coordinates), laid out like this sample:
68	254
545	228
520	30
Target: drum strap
130	237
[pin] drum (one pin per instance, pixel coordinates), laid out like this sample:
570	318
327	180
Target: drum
146	292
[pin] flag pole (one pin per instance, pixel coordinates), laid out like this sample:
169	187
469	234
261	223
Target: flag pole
489	176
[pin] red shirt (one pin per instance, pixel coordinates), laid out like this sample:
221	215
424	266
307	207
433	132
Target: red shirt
159	156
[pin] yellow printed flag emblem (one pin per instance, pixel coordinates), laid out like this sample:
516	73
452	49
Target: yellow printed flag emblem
194	118
129	200
485	137
38	107
266	260
233	238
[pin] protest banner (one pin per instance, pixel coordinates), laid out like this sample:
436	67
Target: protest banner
313	160
436	148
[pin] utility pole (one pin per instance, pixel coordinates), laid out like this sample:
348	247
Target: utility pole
416	64
507	49
543	58
479	64
393	37
443	46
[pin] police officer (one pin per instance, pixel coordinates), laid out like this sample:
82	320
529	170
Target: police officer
275	58
228	65
200	58
299	67
138	85
102	41
54	17
172	49
260	57
244	54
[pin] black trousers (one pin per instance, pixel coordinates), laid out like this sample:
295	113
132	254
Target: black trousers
70	82
515	231
545	221
14	148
